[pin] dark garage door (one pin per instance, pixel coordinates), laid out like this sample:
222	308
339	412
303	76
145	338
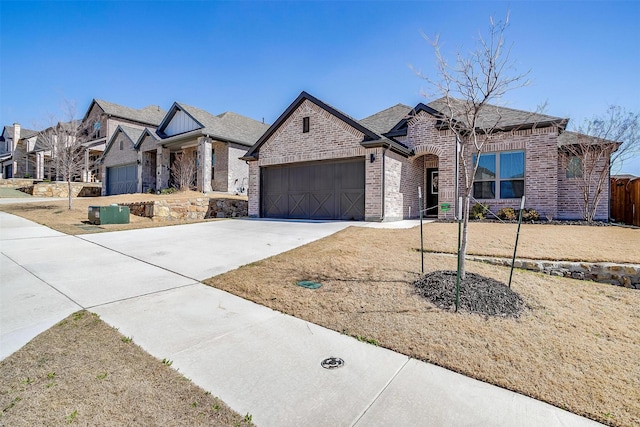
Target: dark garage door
319	190
122	179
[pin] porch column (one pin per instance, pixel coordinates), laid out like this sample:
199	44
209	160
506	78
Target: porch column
40	165
162	168
204	165
86	173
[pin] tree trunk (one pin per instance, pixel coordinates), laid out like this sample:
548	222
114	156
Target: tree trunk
69	190
465	235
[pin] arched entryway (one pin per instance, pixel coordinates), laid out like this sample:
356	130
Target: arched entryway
429	156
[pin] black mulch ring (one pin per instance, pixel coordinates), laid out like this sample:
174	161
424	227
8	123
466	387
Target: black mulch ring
478	294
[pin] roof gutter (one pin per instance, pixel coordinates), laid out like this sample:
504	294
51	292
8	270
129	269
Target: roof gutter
388	144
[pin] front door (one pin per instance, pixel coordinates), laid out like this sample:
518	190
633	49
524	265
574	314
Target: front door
432	192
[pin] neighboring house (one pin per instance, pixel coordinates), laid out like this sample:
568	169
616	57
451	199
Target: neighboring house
120	161
147	157
102	120
15	145
316	162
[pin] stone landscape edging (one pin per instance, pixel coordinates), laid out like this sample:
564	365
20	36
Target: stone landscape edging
626	275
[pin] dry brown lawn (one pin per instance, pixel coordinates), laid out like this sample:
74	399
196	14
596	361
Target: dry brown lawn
83	372
575	347
56	215
539	241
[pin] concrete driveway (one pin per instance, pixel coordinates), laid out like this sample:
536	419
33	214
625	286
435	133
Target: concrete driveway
203	250
259	361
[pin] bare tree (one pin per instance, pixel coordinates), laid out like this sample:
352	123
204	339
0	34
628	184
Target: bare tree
183	170
470	91
63	141
600	144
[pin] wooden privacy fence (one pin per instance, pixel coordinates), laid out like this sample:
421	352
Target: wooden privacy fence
625	200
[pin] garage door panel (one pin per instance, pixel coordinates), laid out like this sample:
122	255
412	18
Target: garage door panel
122	179
320	190
274	206
298	205
352	205
298	179
322	205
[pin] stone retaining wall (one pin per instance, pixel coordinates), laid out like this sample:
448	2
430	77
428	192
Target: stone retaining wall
186	209
15	182
61	189
627	275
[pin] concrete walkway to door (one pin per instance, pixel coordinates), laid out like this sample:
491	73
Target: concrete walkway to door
259	361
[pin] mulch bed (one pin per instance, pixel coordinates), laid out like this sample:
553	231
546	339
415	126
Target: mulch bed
478	294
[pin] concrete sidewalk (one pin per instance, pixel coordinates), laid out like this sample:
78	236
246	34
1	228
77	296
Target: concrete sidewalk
257	360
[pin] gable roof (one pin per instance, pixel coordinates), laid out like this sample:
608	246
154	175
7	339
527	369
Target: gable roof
576	138
146	132
151	115
492	116
130	132
226	127
370	139
383	121
24	133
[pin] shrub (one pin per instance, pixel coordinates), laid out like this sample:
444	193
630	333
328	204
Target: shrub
511	214
169	190
507	214
530	215
479	211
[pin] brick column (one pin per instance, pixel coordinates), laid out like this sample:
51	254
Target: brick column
253	190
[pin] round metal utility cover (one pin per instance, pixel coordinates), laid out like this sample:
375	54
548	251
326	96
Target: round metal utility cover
309	284
332	363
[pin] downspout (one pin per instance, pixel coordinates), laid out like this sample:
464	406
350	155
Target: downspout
384	152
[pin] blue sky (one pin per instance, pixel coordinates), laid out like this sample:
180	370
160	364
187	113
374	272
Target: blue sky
254	58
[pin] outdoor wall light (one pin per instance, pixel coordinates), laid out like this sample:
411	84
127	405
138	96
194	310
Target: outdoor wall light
372	157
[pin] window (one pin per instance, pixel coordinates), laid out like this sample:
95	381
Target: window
121	145
574	167
96	129
305	124
499	176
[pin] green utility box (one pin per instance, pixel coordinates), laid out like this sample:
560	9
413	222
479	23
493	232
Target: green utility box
113	214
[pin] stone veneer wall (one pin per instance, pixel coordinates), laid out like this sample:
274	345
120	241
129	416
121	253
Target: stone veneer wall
61	189
181	209
627	275
16	182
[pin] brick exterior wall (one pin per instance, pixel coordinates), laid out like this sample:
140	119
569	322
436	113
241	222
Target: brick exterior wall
253	190
221	168
541	168
238	170
373	184
147	153
328	138
570	193
438	147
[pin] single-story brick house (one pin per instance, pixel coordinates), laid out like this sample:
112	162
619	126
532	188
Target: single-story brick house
138	160
316	162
